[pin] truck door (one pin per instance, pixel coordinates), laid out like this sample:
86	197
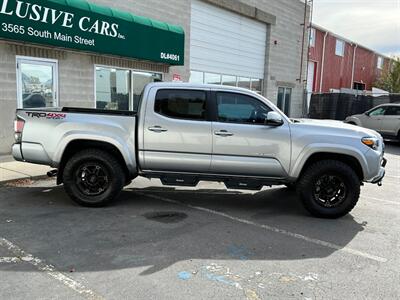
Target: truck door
177	131
242	144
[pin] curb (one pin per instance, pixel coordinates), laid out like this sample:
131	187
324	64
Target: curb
38	177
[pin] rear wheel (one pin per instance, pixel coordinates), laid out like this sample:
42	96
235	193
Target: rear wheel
329	189
93	178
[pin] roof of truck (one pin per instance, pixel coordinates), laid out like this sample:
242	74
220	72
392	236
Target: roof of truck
189	85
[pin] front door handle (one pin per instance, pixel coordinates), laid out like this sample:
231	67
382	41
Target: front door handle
223	133
157	129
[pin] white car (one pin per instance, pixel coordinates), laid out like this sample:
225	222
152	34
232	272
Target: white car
384	118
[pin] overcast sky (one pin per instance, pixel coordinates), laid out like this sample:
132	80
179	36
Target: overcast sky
372	23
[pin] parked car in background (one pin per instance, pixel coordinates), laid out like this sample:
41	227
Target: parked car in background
384	118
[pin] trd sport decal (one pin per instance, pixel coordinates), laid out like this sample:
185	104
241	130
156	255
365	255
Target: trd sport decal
52	116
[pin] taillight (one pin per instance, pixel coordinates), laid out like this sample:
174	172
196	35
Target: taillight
18	128
19	125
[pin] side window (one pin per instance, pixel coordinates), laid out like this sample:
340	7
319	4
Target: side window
393	111
378	112
238	108
181	104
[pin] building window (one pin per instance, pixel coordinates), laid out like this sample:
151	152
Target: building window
37	82
181	104
112	88
359	86
312	37
254	84
139	81
380	63
339	47
284	99
120	89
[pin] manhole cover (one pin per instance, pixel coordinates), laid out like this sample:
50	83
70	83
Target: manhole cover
166	216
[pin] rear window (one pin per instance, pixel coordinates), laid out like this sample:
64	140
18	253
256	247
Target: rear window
181	104
393	111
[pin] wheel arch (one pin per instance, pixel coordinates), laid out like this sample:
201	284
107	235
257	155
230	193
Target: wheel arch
347	159
78	145
352	157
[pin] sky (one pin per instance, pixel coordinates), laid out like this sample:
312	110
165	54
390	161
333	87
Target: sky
371	23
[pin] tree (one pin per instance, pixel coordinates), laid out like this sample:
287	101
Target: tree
390	78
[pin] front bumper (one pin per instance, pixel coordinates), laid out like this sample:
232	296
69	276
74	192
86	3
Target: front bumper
378	179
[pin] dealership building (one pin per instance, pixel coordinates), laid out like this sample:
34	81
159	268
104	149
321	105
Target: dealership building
100	54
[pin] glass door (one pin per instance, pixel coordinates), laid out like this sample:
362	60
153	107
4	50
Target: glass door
37	83
284	99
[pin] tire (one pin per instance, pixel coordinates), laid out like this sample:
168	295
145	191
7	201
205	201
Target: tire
93	178
324	180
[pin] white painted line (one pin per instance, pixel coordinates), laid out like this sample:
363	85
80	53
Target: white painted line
49	270
274	229
9	260
381	200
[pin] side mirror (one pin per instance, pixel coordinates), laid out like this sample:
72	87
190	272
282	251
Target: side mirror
274	119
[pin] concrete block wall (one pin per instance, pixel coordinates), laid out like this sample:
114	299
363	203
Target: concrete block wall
8	100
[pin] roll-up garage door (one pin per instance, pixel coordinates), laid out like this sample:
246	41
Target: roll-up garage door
224	42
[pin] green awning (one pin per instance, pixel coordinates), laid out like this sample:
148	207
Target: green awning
78	24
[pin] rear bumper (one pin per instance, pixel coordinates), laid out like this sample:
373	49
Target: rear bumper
31	152
16	152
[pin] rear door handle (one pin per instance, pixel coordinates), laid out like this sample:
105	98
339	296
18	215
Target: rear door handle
223	133
157	129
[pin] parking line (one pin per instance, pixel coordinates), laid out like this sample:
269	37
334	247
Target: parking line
49	270
9	260
381	200
273	229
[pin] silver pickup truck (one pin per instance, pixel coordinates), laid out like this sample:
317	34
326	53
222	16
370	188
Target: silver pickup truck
183	133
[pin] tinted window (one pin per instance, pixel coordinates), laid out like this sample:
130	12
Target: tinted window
237	108
378	112
181	104
393	111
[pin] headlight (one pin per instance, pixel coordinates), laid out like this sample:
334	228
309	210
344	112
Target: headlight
371	142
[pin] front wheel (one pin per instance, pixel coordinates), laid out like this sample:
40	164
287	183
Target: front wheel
329	189
93	178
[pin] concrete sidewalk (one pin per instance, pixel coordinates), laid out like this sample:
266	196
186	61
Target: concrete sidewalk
13	170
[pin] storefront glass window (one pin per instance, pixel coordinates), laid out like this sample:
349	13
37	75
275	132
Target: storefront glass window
112	88
36	83
229	80
211	78
139	81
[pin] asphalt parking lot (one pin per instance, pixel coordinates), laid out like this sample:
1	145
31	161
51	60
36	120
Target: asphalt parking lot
165	243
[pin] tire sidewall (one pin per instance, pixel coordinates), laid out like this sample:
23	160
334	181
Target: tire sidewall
105	160
340	170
